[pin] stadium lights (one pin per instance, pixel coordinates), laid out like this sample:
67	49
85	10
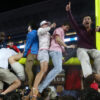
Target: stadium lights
21	46
70	39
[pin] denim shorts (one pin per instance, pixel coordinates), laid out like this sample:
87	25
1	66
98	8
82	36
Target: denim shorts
43	56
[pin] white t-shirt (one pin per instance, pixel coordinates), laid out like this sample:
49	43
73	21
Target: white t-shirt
44	38
5	53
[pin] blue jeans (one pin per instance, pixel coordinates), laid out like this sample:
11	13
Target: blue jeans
57	62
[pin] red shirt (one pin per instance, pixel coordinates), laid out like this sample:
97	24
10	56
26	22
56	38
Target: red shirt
14	47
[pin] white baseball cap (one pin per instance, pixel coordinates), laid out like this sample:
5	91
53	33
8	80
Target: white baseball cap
44	22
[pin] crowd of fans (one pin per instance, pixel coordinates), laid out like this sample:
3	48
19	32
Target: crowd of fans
42	43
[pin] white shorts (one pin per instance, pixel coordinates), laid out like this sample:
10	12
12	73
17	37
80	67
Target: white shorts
43	55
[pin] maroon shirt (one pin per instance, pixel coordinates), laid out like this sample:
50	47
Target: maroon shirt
86	38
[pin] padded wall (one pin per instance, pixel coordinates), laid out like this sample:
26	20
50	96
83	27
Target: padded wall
97	15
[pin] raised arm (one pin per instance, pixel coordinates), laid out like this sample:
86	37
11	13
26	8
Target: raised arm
71	18
42	31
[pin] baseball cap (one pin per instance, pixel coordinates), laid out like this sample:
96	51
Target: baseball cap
44	22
